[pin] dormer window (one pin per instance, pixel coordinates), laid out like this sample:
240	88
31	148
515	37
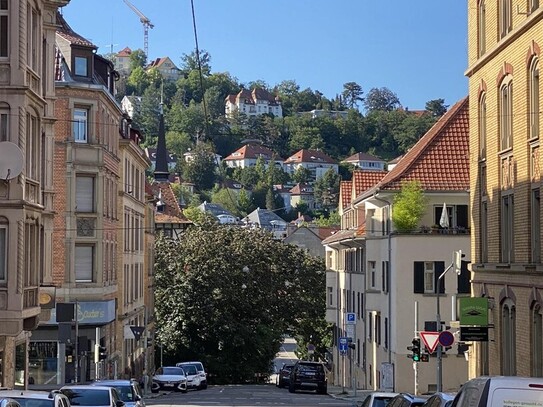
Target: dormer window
81	66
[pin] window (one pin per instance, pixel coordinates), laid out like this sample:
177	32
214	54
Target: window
378	328
80	66
506	115
428	277
535	223
32	147
33	38
484	232
507	229
482	27
458	215
506	14
4	28
4	124
84	194
386	333
425	277
464	279
371	268
482	127
534	5
508	334
80	125
84	263
3	251
535	337
385	276
533	88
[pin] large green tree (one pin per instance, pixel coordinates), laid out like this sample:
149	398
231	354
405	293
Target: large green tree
227	295
352	94
201	169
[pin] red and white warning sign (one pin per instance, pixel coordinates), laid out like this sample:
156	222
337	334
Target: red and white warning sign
430	339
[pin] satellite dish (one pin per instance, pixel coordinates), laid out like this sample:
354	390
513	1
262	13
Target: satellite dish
11	160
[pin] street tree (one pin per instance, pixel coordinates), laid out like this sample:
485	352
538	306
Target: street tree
227	295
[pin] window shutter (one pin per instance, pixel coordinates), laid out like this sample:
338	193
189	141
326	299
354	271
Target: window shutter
464	286
439	268
418	274
84	194
83	263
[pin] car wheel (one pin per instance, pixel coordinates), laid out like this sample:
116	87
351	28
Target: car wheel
280	384
291	388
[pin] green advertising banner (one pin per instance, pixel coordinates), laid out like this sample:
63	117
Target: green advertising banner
473	311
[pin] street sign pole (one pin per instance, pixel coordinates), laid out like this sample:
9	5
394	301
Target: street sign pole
438	329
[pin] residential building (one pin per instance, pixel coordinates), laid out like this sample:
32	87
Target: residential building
366	161
309	237
302	193
399	279
131	105
166	67
27	38
316	161
267	220
247	156
189	156
224	216
253	103
504	53
122	61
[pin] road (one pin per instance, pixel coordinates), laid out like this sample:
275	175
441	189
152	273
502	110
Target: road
285	355
245	395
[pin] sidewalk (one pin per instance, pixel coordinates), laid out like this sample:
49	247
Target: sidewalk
347	393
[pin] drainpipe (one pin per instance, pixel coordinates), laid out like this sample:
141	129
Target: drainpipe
389	234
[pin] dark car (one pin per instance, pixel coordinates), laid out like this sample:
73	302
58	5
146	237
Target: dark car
440	400
407	400
283	377
129	391
308	376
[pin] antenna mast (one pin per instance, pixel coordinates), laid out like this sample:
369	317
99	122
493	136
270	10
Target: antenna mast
146	25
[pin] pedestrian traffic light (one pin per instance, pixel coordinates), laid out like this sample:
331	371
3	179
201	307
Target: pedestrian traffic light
100	353
415	350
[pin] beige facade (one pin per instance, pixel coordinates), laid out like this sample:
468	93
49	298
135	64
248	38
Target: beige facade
504	44
27	37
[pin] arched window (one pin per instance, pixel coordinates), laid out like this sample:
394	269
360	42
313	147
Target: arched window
533	98
506	113
482	126
508	338
482	27
536	340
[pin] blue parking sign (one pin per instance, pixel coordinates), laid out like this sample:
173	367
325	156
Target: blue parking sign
350	318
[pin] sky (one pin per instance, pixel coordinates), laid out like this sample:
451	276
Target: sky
415	48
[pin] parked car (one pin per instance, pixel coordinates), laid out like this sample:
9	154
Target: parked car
283	376
194	378
31	398
378	399
307	375
8	403
92	396
407	400
499	391
440	400
169	378
200	367
34	398
129	391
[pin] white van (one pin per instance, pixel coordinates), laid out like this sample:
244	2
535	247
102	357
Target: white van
501	391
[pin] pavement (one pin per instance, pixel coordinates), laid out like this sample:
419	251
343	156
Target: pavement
346	393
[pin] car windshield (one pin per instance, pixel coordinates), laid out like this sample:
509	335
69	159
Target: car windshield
24	402
190	369
88	397
176	371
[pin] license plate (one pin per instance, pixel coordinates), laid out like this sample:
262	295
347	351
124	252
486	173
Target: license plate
168	385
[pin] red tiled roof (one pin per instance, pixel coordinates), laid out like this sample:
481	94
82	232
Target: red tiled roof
125	52
345	192
251	97
65	31
309	156
440	159
326	232
302	189
339	235
251	151
172	211
365	179
362	157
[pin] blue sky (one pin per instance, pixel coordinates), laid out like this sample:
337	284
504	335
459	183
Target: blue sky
416	48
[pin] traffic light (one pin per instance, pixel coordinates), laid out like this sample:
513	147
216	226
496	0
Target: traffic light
415	350
100	353
352	345
457	261
424	357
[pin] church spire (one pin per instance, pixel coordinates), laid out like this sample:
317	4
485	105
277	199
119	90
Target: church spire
161	168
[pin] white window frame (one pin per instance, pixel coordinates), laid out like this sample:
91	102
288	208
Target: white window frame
84	262
80	69
4	27
429	277
81	125
482	126
84	203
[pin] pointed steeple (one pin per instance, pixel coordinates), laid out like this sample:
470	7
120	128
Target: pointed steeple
161	168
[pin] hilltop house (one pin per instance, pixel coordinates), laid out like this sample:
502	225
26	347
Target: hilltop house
253	103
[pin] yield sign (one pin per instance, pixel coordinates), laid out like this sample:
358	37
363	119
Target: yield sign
430	339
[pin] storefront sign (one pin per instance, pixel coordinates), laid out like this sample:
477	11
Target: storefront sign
473	311
90	313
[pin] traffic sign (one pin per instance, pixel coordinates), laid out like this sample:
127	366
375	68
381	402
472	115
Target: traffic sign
446	338
430	339
349	331
343	345
350	318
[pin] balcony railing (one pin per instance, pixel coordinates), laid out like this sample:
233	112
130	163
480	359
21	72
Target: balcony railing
30	297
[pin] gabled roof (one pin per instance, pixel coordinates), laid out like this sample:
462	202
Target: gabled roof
365	179
264	218
156	63
251	152
125	52
302	189
214	209
439	160
309	156
345	191
172	212
251	97
65	31
362	157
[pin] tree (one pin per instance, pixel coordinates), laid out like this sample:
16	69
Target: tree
189	62
352	94
138	81
437	107
201	169
301	175
137	59
381	99
327	189
409	206
225	296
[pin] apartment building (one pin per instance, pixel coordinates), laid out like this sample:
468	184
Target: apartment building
504	62
253	103
27	37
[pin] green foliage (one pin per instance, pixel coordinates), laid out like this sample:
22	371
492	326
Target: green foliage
352	94
333	219
436	107
197	216
326	189
138	59
138	81
301	175
381	99
201	170
409	206
227	295
229	200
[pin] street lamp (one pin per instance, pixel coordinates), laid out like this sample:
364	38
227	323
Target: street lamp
457	265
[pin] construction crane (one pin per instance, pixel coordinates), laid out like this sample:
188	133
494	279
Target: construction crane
146	25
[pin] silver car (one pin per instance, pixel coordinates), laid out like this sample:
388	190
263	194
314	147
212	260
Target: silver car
92	396
34	398
169	378
129	391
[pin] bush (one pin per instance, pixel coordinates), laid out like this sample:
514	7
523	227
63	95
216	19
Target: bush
409	206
